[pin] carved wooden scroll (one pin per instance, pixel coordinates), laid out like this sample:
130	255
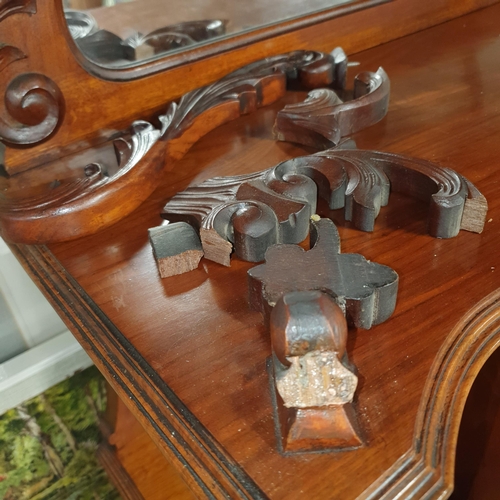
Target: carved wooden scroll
313	382
323	118
92	207
249	213
34	104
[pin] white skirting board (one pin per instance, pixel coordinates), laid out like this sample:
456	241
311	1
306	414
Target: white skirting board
34	371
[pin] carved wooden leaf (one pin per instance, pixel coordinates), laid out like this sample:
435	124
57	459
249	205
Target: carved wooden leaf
10	7
251	212
9	54
323	118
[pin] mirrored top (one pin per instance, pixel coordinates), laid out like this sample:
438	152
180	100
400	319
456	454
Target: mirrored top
121	32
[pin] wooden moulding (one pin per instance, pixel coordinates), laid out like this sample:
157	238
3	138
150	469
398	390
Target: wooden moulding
249	213
312	382
427	469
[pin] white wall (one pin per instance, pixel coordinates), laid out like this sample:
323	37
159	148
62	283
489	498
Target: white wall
36	349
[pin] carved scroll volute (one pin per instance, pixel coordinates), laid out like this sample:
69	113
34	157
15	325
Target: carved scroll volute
313	380
323	118
34	106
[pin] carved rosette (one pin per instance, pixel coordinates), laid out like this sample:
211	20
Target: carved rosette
323	118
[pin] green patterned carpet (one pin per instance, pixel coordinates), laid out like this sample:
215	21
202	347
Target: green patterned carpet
48	444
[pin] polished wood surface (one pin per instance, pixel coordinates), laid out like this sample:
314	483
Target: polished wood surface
189	356
135	451
100	101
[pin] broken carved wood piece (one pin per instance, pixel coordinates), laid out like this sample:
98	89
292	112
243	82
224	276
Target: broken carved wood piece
365	290
249	213
86	207
312	380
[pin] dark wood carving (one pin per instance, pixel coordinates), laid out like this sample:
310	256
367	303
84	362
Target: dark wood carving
175	259
196	113
313	382
323	118
365	290
251	212
9	7
34	106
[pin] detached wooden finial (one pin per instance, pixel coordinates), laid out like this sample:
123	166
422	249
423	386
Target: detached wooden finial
314	384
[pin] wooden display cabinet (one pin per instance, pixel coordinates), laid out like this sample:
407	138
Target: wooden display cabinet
186	354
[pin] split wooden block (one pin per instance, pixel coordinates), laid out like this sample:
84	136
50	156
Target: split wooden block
176	247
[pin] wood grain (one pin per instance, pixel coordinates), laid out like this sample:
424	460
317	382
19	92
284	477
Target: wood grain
136	452
189	357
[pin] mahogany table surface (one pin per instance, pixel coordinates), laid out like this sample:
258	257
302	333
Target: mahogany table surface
189	356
